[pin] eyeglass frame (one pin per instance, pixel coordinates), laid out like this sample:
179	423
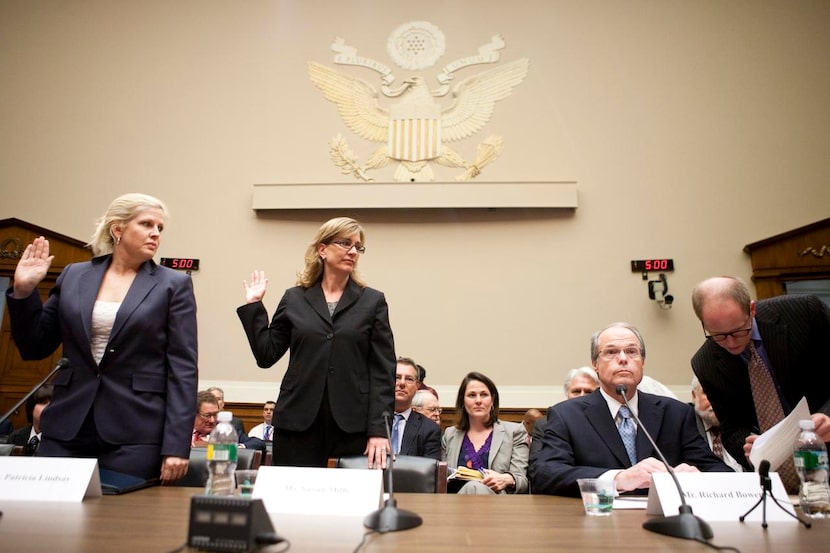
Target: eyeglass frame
721	337
407	378
632	352
348	245
208	416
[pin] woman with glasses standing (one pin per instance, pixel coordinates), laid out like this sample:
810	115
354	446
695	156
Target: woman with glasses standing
128	329
341	371
480	441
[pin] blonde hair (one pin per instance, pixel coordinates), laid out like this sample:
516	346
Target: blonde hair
331	230
121	211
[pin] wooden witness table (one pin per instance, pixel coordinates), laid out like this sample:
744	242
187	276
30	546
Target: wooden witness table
156	520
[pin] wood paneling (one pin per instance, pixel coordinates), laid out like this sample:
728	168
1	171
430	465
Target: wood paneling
799	254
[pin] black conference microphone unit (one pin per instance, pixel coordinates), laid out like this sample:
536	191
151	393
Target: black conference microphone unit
63	362
389	518
685	524
766	489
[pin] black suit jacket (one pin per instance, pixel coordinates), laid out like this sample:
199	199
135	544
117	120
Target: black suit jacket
581	440
421	437
20	436
796	335
351	354
143	390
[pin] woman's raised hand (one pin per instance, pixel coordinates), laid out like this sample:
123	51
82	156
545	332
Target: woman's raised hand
255	291
32	268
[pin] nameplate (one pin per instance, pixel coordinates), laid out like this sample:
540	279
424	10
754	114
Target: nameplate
56	479
319	491
718	496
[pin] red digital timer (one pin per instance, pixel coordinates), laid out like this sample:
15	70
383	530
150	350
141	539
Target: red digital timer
181	263
645	265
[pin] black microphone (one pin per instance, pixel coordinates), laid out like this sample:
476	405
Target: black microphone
685	524
63	362
389	518
763	473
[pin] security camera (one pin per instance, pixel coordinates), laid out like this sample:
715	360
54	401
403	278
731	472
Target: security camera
658	291
669	299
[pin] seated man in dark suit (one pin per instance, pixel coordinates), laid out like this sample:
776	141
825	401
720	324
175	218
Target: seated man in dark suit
594	436
29	436
412	433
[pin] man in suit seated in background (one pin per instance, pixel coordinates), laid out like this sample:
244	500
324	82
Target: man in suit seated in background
207	409
261	436
709	426
412	433
29	436
759	359
236	422
579	382
594	436
427	404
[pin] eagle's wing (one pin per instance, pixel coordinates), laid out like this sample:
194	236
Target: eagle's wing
476	96
357	101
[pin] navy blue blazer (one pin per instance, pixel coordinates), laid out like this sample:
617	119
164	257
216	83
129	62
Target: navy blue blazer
144	389
351	354
796	332
581	440
421	437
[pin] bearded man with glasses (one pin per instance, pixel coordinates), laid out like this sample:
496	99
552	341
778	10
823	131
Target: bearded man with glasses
759	359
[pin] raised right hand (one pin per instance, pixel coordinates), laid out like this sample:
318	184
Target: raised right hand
32	268
255	291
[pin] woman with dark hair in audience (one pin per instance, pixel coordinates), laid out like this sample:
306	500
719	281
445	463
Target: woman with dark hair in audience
479	441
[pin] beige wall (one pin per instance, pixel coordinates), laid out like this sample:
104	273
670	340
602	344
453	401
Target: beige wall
691	129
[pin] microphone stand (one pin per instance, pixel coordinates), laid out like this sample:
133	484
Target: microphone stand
389	518
766	488
684	524
63	362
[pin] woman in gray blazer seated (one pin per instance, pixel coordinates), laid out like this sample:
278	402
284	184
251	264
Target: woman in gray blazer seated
481	442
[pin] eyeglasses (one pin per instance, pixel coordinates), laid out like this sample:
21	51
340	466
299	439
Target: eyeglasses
348	245
433	410
406	378
609	354
208	416
722	336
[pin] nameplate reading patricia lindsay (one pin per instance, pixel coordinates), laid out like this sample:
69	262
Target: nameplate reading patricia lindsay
54	479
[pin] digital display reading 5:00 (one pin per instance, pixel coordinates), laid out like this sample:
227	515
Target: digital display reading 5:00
642	265
181	263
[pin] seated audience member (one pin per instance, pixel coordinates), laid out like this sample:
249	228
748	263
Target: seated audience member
709	426
6	428
29	436
594	436
264	430
652	386
236	422
422	374
579	382
480	441
261	436
529	421
412	432
426	404
759	359
207	408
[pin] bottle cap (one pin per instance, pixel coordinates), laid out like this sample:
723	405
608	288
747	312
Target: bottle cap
226	416
807	424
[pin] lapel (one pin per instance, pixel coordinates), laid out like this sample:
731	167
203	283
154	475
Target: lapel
651	415
317	300
599	417
410	433
774	336
90	282
499	436
143	283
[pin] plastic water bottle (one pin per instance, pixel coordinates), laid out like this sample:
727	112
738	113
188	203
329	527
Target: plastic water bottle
221	457
810	456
